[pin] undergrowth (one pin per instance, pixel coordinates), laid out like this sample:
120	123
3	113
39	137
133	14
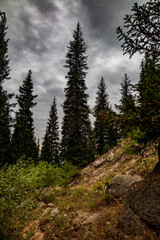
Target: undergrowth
20	186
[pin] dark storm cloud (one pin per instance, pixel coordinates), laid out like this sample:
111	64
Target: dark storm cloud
44	6
40	30
105	16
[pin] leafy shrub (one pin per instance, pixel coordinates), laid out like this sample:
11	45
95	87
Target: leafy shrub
19	191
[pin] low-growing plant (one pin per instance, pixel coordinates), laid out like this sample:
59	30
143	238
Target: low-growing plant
47	197
19	191
108	198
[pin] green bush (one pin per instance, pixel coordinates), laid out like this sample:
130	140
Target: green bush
19	191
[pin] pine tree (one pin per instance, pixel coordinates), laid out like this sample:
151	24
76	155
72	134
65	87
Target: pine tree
76	128
142	29
4	61
127	107
148	89
142	35
5	117
105	132
127	101
100	125
50	146
23	140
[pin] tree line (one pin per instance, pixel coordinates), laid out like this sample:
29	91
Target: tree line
137	112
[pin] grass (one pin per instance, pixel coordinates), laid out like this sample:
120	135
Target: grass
20	192
25	184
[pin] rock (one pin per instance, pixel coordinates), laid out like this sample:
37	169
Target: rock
54	213
99	162
110	157
50	205
142	208
121	184
41	205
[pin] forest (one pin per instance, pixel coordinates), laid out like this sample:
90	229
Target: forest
25	168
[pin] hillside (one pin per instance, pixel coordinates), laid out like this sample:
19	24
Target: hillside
84	209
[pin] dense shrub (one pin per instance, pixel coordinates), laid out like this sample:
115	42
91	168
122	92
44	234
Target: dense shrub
19	191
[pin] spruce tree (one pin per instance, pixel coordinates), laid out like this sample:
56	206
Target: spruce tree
142	35
50	146
100	125
4	61
105	131
127	101
23	140
127	106
141	29
5	117
148	89
77	145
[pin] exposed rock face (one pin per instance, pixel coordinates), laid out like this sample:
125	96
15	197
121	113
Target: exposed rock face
142	208
121	184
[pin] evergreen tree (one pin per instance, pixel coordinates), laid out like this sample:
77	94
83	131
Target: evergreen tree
4	61
104	132
77	145
142	36
5	117
50	146
148	89
127	106
127	101
23	140
142	29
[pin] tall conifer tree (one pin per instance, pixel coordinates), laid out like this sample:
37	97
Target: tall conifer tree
148	89
127	106
5	148
23	140
105	131
50	147
76	128
127	101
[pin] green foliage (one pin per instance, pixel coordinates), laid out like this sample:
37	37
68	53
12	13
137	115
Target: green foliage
127	101
103	129
136	139
5	118
50	146
19	191
142	29
23	141
77	146
148	89
137	135
126	107
108	198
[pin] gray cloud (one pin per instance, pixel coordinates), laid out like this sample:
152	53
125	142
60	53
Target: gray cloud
39	32
45	7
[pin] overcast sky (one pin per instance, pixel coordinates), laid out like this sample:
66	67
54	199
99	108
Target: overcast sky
39	32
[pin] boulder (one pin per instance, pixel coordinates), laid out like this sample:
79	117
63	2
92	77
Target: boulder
99	162
110	157
142	208
120	185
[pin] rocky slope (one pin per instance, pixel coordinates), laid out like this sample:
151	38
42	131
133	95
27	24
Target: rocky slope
112	198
